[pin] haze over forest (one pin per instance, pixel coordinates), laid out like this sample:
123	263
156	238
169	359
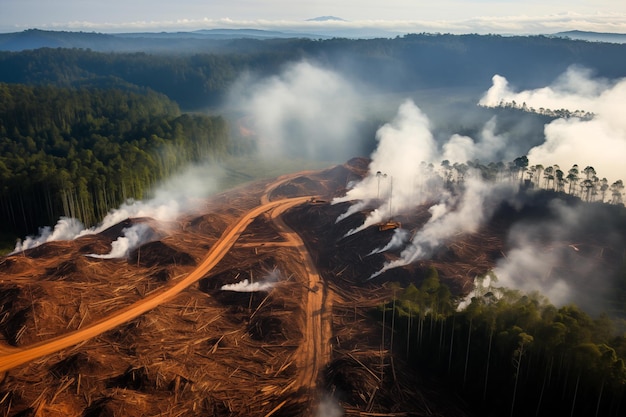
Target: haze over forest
445	139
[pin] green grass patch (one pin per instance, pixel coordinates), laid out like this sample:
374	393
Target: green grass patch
242	170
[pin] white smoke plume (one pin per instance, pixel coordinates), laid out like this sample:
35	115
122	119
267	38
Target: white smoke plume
396	178
599	142
528	268
458	214
132	237
573	90
329	407
247	286
178	194
265	284
554	257
488	147
475	205
306	111
398	240
482	285
408	155
403	172
66	229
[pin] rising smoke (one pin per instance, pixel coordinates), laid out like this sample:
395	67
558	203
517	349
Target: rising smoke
265	284
541	258
66	229
406	146
131	238
463	213
247	286
490	146
306	111
179	194
398	240
599	142
404	164
562	257
397	178
310	111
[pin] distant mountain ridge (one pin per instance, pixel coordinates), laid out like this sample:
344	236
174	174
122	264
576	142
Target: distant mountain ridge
206	40
326	19
593	36
197	72
199	40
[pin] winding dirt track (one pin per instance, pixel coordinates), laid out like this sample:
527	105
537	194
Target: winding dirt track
16	357
314	352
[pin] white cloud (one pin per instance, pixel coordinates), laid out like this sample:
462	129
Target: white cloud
450	16
613	23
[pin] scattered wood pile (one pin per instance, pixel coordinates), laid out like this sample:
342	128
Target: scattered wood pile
226	353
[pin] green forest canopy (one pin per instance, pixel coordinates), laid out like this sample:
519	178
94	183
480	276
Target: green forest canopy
78	152
201	78
509	353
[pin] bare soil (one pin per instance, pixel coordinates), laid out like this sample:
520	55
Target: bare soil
155	334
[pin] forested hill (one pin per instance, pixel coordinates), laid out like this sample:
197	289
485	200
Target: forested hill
160	42
201	77
78	152
593	36
74	121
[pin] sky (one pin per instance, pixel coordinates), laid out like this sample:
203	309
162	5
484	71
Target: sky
404	16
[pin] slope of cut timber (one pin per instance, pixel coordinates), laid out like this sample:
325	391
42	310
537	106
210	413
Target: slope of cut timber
155	333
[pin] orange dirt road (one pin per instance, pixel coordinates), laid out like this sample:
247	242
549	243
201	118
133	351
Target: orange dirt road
314	352
19	357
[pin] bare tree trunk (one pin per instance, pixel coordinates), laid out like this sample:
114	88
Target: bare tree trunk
546	377
382	346
575	394
469	339
517	368
408	332
451	344
393	321
487	366
600	397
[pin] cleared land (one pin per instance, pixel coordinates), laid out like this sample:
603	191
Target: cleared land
156	334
